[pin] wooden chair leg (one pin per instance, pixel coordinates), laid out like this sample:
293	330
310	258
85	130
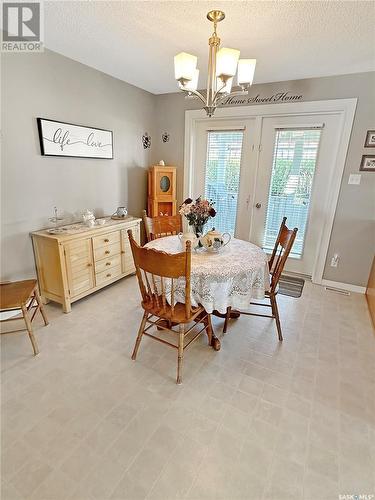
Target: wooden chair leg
227	317
139	336
30	329
209	330
275	312
180	353
41	307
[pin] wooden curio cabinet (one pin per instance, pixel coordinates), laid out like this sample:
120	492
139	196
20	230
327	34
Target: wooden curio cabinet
161	191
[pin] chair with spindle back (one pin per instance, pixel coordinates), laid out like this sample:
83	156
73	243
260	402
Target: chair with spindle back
163	225
163	278
280	253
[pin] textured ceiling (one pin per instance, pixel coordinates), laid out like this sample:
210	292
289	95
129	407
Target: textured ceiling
136	40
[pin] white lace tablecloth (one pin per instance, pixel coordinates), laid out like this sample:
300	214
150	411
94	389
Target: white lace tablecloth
231	277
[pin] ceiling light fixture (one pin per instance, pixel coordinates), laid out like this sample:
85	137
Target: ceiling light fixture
222	67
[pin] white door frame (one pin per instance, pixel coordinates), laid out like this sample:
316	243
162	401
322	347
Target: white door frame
344	107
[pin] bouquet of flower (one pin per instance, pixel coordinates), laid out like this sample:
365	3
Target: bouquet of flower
198	212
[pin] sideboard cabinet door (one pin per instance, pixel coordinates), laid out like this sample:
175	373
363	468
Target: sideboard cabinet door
79	266
127	257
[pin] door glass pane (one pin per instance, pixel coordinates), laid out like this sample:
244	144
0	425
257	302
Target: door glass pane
294	161
222	177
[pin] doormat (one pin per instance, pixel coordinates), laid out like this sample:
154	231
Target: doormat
291	286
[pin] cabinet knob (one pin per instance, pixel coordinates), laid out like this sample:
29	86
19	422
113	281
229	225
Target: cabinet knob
89	264
107	252
109	275
106	240
107	263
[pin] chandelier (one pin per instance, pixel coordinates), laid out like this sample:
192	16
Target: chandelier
222	67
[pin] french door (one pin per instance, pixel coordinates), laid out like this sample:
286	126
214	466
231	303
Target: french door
224	164
261	169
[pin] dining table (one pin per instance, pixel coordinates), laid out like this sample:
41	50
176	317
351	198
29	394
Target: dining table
229	277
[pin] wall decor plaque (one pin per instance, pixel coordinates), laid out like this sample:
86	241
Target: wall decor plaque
77	141
370	139
367	163
146	141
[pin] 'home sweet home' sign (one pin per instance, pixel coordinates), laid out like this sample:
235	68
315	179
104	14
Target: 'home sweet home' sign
258	99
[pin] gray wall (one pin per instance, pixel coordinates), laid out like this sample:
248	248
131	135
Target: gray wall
52	86
353	235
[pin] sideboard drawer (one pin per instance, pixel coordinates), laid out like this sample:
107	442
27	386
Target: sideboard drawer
106	239
108	275
105	264
107	251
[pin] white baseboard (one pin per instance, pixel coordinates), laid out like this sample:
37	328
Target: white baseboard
344	286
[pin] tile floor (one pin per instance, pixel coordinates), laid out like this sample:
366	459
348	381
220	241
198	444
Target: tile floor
257	420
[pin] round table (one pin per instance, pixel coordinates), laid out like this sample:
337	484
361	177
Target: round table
229	278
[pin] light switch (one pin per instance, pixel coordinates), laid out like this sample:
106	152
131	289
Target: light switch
354	179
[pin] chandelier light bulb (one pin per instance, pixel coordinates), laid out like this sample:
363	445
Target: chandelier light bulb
226	62
246	70
184	67
193	83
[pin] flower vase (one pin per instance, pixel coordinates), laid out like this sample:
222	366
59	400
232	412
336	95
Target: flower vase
197	229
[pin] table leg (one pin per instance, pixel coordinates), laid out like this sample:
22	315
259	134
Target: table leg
234	314
215	343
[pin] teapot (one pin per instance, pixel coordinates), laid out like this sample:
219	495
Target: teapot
120	212
213	241
184	237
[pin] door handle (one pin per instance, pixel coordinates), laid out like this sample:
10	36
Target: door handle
258	205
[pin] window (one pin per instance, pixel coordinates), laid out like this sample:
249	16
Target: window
222	177
293	167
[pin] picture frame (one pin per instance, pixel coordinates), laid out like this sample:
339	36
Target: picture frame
370	139
63	139
367	163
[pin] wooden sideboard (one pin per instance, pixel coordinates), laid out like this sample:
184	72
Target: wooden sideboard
83	260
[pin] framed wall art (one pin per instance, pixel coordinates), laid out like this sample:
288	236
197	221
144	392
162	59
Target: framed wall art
368	163
76	141
370	139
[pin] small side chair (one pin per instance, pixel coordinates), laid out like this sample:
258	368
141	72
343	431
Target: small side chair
158	275
163	225
280	253
23	296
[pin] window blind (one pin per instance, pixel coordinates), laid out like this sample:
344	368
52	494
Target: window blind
293	167
222	176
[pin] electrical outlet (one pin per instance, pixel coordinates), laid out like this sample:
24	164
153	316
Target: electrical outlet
354	179
335	260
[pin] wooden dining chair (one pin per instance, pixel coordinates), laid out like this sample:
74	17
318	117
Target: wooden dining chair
22	297
159	274
163	225
280	253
